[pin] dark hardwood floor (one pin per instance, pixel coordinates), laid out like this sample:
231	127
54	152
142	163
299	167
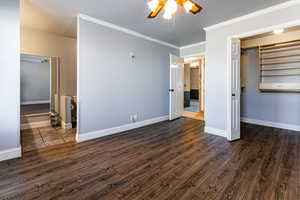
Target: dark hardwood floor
165	161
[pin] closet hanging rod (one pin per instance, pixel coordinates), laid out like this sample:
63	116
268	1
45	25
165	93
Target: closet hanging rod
290	44
280	62
279	50
280	56
274	75
279	68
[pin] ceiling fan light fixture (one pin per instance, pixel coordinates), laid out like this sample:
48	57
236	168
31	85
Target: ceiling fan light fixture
167	15
171	6
188	6
153	4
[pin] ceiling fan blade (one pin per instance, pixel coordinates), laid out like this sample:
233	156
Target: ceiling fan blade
196	8
154	13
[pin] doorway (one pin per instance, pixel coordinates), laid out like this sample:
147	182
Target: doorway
194	87
41	103
35	85
35	90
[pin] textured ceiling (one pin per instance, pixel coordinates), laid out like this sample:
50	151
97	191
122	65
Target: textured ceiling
58	16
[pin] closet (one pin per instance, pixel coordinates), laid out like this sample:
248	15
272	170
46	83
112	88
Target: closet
270	79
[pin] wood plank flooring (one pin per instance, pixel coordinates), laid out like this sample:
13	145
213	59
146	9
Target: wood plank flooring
193	115
165	161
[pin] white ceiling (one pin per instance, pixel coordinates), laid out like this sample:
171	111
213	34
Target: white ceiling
59	16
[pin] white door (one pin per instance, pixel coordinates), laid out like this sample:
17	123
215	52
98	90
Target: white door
234	107
176	91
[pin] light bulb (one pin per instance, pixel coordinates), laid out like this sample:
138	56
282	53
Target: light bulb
167	15
278	31
171	6
188	6
153	5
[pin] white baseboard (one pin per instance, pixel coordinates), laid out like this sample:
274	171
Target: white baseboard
65	125
105	132
215	131
10	154
34	102
271	124
35	125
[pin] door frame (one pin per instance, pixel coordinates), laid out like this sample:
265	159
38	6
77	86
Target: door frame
229	72
202	68
57	81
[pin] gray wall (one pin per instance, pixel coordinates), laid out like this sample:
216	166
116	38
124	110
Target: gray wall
35	81
112	86
9	74
193	50
216	73
273	107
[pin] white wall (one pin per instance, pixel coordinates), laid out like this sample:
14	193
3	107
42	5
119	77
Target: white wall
216	76
192	50
34	42
35	82
9	76
112	85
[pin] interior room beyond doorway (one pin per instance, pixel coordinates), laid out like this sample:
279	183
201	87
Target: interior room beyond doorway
194	87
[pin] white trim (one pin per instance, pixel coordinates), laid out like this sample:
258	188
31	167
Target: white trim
193	45
215	131
271	124
78	79
125	30
268	29
254	14
10	154
34	102
66	125
110	131
194	55
35	115
35	125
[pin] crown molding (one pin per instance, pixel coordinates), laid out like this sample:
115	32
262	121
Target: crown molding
254	14
124	30
193	45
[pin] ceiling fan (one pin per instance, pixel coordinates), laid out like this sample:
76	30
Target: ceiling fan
171	6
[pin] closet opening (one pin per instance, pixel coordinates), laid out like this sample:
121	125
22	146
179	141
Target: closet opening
194	87
43	109
270	79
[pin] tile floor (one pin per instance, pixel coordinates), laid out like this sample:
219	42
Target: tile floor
194	106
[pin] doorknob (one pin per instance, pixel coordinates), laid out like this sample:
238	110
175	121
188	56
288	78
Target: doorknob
171	90
233	94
